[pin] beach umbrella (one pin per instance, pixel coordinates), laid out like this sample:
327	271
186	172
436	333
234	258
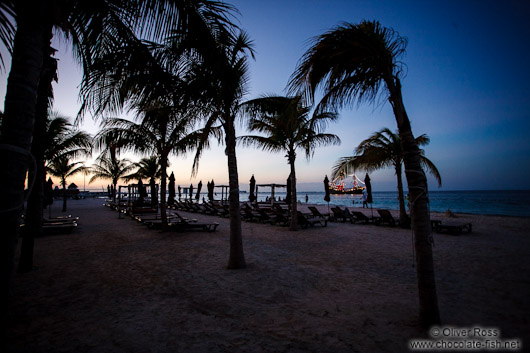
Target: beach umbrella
154	192
252	196
288	196
171	190
326	190
199	187
48	196
212	186
141	191
191	192
209	186
180	192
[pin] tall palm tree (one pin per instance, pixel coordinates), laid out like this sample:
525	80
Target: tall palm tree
225	73
383	149
94	28
109	167
287	125
63	168
35	203
360	63
162	131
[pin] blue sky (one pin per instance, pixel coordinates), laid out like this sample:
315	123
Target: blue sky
466	87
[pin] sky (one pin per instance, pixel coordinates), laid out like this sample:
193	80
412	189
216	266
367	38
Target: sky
466	87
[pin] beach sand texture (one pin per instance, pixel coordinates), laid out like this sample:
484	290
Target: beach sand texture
115	286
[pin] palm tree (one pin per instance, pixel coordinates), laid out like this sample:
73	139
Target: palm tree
63	168
109	167
287	125
225	71
359	63
94	29
383	149
162	131
62	138
33	220
147	168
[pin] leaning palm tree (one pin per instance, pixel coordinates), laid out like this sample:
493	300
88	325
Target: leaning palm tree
383	149
224	77
287	125
63	168
109	167
360	63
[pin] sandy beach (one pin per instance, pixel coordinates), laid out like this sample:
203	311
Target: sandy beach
115	286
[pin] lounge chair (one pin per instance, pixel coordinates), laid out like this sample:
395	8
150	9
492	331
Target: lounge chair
183	226
451	227
339	214
386	218
60	226
316	213
305	222
358	216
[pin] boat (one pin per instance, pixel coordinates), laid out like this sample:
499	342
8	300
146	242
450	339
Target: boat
337	186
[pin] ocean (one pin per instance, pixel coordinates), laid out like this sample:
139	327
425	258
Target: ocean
490	202
497	202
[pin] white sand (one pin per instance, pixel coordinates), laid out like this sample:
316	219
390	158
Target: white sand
115	286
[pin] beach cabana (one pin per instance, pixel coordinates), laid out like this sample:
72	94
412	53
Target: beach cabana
224	192
273	188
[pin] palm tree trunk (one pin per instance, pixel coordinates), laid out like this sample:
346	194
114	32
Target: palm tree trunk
163	181
421	225
19	113
237	257
33	225
401	198
294	215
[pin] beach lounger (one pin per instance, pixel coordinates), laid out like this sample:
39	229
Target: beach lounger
316	213
451	227
183	226
386	218
359	217
305	222
58	228
338	214
53	227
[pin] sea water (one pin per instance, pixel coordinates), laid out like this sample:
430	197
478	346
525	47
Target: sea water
496	202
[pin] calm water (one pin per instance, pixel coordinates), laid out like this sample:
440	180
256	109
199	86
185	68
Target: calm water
496	202
509	203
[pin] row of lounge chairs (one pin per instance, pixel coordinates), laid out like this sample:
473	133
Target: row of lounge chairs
151	217
279	215
345	215
386	218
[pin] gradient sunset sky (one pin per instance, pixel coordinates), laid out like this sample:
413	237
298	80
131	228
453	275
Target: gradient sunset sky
466	87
